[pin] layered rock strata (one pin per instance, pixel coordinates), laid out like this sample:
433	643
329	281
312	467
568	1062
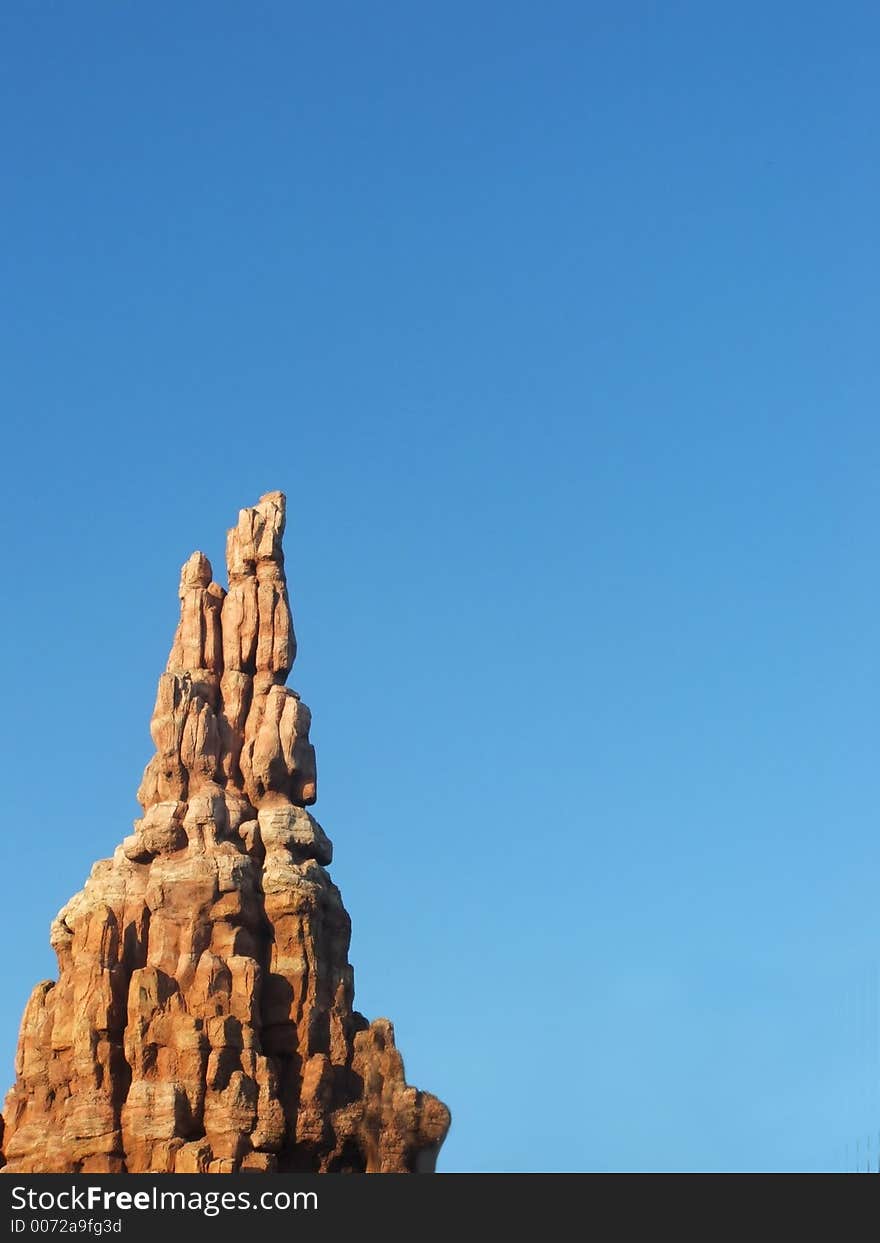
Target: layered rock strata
202	1021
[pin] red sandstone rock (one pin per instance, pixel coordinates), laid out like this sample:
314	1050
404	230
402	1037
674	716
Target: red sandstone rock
202	1021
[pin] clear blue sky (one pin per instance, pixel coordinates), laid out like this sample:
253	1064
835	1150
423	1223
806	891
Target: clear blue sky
557	323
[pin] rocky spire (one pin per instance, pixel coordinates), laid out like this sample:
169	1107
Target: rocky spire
202	1020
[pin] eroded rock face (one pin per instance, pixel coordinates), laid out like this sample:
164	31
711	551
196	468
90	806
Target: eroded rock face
202	1021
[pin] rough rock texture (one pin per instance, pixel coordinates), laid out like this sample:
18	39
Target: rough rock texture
202	1020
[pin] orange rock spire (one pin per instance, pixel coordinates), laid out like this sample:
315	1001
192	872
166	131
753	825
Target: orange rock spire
202	1021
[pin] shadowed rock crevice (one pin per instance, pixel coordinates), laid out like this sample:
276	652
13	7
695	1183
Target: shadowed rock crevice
203	1017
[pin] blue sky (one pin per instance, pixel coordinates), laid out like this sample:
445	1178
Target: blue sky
557	324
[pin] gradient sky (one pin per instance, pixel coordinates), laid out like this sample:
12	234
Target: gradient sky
557	322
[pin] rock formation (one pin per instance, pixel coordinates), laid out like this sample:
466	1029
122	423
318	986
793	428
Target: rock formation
202	1021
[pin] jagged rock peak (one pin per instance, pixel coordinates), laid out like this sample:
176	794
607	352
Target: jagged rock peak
223	717
203	1016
